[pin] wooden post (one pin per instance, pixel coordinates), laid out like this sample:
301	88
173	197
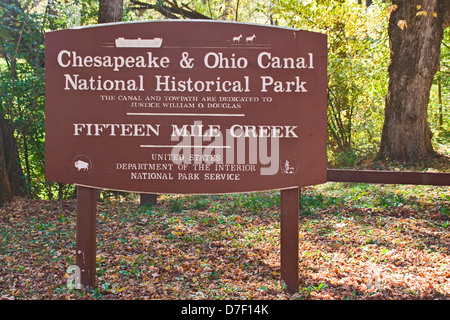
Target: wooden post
150	198
289	229
86	236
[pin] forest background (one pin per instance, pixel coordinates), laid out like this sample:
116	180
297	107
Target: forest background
358	61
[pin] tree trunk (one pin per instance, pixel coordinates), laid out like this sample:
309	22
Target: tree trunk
12	160
110	11
415	32
5	190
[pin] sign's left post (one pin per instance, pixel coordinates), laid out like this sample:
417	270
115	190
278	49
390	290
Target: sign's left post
86	236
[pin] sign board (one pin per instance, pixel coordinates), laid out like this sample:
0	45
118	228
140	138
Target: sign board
186	107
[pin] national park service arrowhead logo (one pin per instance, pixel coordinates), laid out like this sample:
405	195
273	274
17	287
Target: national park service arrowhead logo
81	165
288	166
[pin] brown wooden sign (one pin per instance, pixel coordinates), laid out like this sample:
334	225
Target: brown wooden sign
186	107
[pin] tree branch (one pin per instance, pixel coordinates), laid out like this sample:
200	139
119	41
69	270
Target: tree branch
169	9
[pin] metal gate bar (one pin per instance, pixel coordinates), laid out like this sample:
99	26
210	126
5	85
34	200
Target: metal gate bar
389	177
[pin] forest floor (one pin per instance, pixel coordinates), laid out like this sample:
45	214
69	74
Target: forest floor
357	242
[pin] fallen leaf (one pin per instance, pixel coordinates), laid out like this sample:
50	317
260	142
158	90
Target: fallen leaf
402	24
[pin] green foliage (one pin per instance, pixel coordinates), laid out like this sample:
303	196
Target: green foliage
22	69
438	114
176	205
242	10
22	88
357	69
67	14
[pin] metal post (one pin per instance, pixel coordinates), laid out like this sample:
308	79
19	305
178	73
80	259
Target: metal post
289	229
86	236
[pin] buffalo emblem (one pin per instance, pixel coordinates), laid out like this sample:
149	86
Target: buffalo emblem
81	165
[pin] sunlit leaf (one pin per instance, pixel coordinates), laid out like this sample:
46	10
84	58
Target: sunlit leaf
402	24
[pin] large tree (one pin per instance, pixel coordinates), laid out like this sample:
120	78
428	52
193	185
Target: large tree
110	11
416	31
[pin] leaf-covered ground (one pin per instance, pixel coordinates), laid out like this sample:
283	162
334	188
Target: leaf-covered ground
357	242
